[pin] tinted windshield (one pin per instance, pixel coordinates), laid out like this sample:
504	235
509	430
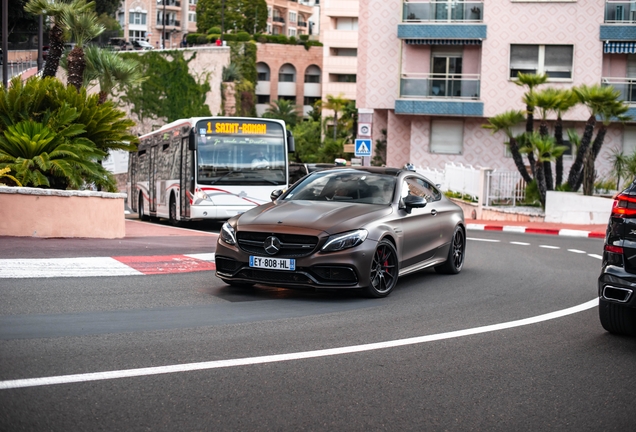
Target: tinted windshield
351	186
227	159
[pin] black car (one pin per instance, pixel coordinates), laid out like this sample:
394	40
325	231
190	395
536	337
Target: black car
616	285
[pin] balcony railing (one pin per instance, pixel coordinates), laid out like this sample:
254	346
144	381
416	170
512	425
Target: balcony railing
302	24
452	86
169	23
620	12
278	19
626	86
442	11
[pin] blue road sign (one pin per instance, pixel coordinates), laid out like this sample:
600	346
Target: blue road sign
363	147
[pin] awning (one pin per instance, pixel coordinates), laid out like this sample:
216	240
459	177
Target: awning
619	48
443	41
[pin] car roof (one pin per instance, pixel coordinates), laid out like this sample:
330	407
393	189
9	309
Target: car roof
373	170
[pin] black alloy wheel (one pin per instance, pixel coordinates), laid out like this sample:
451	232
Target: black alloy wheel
384	270
456	253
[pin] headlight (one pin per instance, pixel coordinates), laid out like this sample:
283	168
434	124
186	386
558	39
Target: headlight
200	195
227	234
346	240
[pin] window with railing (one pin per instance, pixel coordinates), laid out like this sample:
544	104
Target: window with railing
620	12
626	87
442	11
431	85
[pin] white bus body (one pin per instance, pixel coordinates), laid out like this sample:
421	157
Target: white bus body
208	167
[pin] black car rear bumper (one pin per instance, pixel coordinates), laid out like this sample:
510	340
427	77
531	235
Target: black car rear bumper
616	285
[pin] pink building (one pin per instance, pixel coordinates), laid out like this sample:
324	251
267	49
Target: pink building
432	72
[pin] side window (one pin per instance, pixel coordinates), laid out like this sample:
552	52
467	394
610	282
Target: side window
421	188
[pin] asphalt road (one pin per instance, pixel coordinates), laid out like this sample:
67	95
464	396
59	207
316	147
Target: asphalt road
211	357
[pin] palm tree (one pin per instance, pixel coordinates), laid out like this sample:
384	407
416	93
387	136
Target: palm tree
545	150
545	101
530	81
600	101
283	110
567	100
504	122
619	163
109	70
335	103
82	27
42	156
54	10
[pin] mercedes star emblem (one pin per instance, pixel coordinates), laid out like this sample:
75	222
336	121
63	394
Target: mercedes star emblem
272	245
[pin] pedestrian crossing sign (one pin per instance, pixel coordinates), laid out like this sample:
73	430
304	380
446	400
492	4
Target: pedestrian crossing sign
363	147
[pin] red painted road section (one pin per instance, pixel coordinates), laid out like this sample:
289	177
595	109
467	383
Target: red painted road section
149	265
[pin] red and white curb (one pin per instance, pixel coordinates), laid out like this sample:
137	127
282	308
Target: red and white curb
105	266
522	229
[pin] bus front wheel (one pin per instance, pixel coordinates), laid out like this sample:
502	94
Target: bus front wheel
173	211
140	209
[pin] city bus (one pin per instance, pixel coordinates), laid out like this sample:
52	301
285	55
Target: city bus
208	168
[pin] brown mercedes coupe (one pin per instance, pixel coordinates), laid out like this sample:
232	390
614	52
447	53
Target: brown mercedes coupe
344	228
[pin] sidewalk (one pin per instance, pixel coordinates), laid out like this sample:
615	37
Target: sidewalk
591	231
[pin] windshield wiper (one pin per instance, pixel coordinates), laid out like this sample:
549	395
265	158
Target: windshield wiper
225	175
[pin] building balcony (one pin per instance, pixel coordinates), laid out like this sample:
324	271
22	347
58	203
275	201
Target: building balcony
302	24
278	19
436	94
626	86
442	11
168	23
620	12
620	21
456	86
340	64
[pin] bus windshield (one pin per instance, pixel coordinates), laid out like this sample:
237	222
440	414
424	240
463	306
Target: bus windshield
233	154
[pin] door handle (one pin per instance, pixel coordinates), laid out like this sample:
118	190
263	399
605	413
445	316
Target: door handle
433	212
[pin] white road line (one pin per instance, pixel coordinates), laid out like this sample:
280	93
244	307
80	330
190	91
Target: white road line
573	233
549	247
202	256
595	256
576	251
483	240
520	243
64	267
217	364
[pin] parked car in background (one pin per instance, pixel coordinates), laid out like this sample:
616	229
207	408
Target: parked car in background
616	285
141	45
344	228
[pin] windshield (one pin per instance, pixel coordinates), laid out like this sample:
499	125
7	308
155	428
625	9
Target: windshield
350	186
239	159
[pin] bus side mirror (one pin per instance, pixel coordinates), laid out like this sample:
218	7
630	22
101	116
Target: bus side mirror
192	141
291	145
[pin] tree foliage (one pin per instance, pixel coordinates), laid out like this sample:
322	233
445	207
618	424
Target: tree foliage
169	91
237	15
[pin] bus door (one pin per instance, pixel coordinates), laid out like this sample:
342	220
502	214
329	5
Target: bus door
184	178
131	188
152	185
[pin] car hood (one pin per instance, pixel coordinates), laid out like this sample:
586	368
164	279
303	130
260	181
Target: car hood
324	216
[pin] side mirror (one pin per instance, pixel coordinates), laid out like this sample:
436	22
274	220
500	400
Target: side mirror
274	195
414	201
291	144
192	141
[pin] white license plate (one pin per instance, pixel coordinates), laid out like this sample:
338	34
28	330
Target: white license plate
273	263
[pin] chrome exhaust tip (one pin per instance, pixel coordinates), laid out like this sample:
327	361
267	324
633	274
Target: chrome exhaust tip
621	295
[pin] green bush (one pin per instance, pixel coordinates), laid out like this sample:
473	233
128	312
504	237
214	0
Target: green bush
191	38
214	30
202	39
304	37
212	38
55	137
243	36
291	40
230	37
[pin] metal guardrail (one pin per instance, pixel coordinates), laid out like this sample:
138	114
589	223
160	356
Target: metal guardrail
504	188
465	86
621	12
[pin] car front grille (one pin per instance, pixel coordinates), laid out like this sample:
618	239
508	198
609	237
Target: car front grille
269	276
292	245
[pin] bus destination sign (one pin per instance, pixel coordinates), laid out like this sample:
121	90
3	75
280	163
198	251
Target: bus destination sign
239	128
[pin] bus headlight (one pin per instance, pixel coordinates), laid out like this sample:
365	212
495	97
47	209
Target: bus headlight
200	195
227	234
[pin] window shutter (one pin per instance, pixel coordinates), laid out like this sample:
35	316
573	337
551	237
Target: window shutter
447	136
